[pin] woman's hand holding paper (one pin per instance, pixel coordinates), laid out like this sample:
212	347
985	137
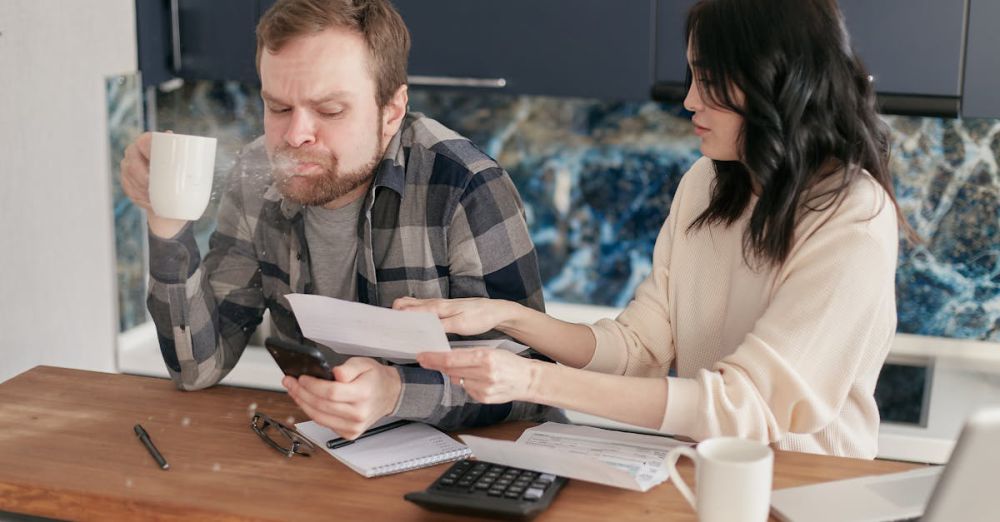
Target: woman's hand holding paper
489	376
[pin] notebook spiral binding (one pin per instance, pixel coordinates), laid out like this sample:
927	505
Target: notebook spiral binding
422	462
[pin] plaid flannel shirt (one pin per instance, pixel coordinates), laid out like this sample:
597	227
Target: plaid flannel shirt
441	219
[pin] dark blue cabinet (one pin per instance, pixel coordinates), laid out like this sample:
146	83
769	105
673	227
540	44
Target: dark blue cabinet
612	49
216	39
154	45
913	48
590	48
197	39
981	97
670	52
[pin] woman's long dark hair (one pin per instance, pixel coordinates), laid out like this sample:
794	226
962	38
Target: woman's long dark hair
808	109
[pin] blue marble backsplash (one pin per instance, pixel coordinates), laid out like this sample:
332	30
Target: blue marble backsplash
597	178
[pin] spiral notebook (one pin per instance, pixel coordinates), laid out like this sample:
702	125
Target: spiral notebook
407	447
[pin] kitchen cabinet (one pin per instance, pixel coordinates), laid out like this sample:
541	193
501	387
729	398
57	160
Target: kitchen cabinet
671	48
152	28
623	50
981	97
913	48
589	48
216	39
197	39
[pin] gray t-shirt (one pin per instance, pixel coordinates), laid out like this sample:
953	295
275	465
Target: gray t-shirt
333	246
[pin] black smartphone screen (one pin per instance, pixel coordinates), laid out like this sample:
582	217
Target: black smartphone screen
297	359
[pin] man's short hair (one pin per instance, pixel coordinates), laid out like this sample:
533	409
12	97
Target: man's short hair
376	20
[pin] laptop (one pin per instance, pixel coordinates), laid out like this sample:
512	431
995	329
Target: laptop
963	489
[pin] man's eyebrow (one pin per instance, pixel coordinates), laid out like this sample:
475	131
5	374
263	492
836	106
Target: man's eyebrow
271	99
329	97
332	96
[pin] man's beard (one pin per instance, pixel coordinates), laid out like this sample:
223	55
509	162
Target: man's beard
318	188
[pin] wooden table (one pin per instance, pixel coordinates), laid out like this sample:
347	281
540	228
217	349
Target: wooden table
67	450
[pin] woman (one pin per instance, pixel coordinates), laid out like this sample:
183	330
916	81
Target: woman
772	288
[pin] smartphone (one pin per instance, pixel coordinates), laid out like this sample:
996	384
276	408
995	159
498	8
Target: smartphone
297	359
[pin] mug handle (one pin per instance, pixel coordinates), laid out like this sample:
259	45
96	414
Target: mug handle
672	458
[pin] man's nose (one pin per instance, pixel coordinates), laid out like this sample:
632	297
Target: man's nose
301	130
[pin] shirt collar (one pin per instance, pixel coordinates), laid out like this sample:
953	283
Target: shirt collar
390	172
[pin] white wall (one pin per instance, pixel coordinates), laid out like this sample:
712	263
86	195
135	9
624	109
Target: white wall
57	293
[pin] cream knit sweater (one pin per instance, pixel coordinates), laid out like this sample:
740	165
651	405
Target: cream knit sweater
787	354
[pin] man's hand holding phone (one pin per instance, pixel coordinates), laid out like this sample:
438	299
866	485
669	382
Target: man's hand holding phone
298	359
362	392
347	398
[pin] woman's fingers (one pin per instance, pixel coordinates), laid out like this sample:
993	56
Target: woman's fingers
417	305
454	360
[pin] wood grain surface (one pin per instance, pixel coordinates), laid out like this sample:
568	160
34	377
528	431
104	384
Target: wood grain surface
67	450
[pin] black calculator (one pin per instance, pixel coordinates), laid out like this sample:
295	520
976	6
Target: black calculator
473	487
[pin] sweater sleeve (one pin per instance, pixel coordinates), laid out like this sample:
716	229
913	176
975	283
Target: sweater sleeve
828	327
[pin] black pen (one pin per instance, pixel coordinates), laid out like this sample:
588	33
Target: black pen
341	441
144	437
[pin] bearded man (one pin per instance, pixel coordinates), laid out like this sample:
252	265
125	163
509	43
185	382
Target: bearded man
346	195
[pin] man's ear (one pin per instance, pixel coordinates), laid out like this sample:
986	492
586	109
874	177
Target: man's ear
393	112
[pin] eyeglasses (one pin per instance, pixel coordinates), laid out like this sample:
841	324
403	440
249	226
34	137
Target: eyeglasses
291	444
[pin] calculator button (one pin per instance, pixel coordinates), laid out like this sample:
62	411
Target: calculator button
533	494
547	477
482	485
447	481
495	492
511	494
515	489
540	484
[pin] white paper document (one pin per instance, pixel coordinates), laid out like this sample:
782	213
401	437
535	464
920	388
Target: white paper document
614	458
350	328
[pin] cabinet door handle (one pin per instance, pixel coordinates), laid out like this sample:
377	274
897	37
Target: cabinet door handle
451	81
175	33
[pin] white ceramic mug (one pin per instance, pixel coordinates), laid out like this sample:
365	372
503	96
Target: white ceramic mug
181	169
732	477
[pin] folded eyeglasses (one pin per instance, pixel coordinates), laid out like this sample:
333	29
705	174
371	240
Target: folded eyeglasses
291	442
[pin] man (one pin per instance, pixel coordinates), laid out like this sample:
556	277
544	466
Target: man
346	195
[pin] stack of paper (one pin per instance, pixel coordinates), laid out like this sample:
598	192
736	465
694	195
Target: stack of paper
619	459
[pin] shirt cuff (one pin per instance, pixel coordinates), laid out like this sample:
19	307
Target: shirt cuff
420	394
683	396
173	260
608	356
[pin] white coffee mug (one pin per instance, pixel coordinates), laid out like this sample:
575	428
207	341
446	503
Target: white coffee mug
181	169
732	478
